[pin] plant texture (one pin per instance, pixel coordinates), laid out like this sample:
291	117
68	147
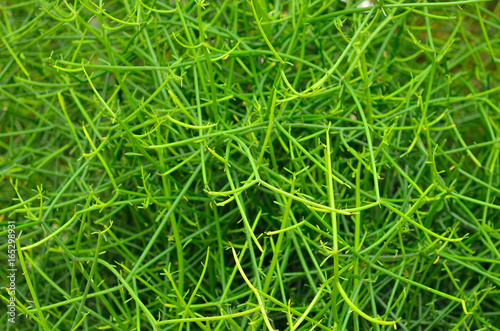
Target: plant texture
250	165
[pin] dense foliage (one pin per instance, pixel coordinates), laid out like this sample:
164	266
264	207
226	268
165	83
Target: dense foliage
251	165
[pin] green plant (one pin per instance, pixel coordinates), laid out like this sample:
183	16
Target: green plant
234	165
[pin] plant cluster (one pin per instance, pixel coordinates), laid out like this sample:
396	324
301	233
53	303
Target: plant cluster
251	165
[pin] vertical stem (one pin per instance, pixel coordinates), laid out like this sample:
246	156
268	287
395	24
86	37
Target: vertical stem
277	249
357	226
366	82
44	323
331	201
271	104
211	75
89	280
